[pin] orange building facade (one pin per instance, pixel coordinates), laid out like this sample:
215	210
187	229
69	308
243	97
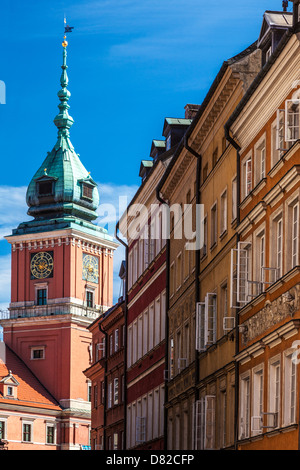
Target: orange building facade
265	268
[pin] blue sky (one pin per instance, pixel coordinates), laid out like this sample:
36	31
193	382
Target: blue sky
131	64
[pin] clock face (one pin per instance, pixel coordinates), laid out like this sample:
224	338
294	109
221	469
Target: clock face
90	270
41	265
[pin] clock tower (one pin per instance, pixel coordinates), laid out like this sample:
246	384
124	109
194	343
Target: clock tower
61	278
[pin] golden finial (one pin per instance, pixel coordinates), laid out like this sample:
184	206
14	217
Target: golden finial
45	171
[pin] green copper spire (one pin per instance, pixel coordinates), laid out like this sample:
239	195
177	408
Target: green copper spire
62	187
63	121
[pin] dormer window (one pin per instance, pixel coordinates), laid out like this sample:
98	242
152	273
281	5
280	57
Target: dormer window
8	386
87	191
45	186
87	188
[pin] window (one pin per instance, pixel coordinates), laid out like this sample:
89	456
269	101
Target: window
292	120
45	188
41	297
116	340
178	271
109	395
205	410
234	199
87	191
116	391
295	232
258	394
89	299
50	434
206	322
223	212
215	157
10	391
260	259
246	176
260	161
214	225
95	396
289	406
205	172
26	432
38	353
116	441
279	245
268	53
274	392
245	407
172	279
203	251
275	154
2	430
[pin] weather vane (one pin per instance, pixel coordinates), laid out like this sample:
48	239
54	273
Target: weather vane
68	29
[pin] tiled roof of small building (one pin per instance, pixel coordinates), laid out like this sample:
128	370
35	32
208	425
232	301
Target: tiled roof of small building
30	391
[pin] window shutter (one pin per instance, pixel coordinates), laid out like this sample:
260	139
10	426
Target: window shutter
210	412
292	120
210	318
242	273
200	317
280	129
199	420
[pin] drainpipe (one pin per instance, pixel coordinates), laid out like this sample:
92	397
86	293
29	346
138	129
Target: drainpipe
197	267
160	199
238	178
125	335
105	386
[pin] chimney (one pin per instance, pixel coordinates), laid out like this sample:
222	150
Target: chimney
2	352
191	110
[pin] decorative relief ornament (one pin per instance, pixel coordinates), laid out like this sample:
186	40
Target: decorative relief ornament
273	312
90	268
41	265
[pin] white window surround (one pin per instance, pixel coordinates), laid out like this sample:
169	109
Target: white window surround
40	286
51	424
260	160
274	391
257	401
244	412
4	419
289	388
291	246
30	423
246	175
37	348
